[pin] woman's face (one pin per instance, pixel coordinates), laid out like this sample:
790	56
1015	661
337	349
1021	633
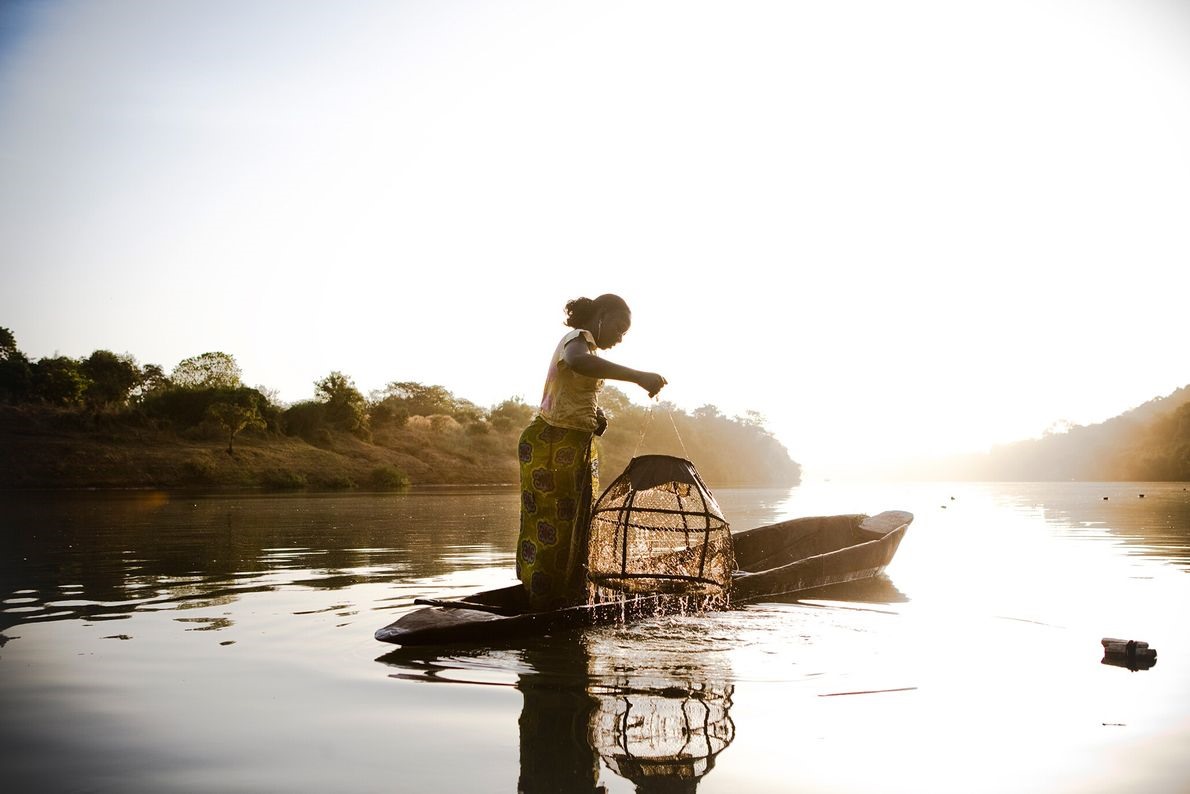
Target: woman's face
610	328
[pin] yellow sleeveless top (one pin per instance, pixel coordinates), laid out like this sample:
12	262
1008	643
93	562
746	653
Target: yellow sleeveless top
569	399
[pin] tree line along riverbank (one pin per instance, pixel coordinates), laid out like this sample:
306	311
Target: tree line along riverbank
107	422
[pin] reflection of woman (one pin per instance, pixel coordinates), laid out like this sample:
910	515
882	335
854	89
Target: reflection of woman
556	755
559	463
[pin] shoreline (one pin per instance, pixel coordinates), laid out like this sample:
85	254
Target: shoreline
58	450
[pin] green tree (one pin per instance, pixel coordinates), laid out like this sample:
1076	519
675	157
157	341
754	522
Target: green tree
58	380
305	419
207	371
111	378
382	413
16	378
416	399
346	408
726	450
8	343
235	417
186	408
466	411
152	380
616	403
512	414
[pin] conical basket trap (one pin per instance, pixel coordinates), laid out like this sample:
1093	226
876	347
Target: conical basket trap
658	529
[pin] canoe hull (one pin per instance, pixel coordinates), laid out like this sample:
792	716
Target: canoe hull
435	625
866	555
775	560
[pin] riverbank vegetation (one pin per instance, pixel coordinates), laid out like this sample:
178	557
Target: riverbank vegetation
105	421
1148	443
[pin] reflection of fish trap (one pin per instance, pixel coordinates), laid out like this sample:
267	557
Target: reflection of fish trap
657	528
668	737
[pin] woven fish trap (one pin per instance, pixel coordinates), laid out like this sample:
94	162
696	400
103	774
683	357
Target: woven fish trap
658	529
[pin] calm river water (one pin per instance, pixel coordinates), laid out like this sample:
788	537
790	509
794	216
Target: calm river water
171	642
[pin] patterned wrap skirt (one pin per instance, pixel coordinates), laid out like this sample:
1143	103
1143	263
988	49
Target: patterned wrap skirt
559	474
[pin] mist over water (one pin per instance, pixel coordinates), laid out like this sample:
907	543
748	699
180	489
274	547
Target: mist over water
173	642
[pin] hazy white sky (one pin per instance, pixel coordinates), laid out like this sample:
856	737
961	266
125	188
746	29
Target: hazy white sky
894	229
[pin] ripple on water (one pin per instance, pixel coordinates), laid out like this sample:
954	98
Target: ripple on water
208	623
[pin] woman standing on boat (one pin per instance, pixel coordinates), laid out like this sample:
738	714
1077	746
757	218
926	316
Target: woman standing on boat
559	462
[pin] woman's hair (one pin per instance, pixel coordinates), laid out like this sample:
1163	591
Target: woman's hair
581	312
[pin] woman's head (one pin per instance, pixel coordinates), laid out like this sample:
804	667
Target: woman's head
606	317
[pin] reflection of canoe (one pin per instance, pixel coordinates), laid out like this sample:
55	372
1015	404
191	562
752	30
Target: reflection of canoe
775	560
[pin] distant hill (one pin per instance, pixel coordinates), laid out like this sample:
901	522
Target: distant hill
1149	442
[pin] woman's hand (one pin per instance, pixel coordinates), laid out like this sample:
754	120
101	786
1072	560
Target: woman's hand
651	382
600	421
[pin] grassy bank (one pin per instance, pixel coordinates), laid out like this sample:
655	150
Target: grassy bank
54	448
107	422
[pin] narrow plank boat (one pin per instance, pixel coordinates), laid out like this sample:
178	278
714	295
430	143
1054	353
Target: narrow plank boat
775	560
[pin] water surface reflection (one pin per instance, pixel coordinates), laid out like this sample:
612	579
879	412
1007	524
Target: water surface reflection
103	556
651	702
224	643
1151	519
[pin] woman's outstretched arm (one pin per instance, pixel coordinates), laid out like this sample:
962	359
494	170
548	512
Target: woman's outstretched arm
579	358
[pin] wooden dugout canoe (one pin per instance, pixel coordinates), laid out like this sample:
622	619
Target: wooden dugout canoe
775	560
